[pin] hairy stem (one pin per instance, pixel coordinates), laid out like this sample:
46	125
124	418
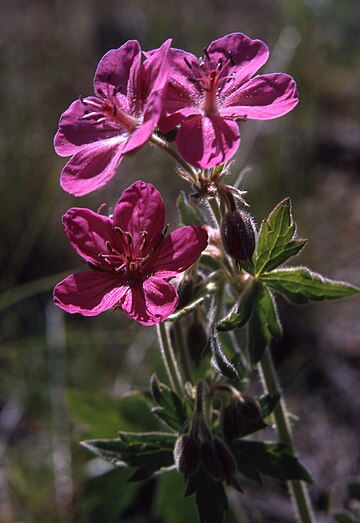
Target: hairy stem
169	360
181	350
160	142
297	488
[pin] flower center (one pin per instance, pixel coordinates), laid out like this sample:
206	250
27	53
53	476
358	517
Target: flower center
126	260
107	108
211	80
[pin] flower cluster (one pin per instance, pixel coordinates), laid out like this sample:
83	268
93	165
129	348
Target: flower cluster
203	101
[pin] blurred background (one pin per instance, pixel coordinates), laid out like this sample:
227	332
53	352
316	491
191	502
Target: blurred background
60	377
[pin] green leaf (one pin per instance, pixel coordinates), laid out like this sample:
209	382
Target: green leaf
149	451
210	497
344	517
256	457
220	361
171	409
354	489
240	314
102	499
103	416
189	214
170	505
264	323
276	241
300	285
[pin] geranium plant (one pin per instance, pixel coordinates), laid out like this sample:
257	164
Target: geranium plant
204	284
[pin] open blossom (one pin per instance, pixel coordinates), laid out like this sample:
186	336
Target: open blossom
130	258
209	95
99	130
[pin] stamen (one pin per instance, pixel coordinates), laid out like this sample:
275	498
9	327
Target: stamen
144	260
144	235
219	65
101	208
109	246
124	233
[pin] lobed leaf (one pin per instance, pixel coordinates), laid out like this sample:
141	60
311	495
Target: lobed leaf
256	457
276	240
149	451
300	285
170	407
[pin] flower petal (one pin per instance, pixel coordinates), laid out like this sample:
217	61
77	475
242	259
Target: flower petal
239	54
155	69
263	98
117	67
207	141
150	302
75	132
88	232
89	293
178	251
92	167
141	209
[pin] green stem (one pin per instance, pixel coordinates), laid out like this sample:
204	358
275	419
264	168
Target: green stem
182	350
169	359
157	140
297	488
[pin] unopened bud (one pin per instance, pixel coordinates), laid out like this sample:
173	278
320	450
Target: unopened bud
244	409
238	235
217	459
186	455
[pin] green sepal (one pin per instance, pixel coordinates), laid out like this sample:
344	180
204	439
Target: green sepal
271	459
170	408
264	323
148	452
267	403
300	285
189	214
276	240
240	313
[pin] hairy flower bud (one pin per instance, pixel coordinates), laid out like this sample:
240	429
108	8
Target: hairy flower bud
240	411
238	235
186	455
217	459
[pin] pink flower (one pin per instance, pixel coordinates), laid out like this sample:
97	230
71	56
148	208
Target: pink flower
209	95
130	257
99	130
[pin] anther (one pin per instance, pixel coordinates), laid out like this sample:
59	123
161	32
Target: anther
109	246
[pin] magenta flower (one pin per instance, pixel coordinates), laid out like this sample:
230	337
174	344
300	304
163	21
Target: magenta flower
130	257
209	95
99	130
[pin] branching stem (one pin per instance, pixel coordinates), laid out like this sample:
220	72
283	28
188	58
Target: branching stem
169	360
